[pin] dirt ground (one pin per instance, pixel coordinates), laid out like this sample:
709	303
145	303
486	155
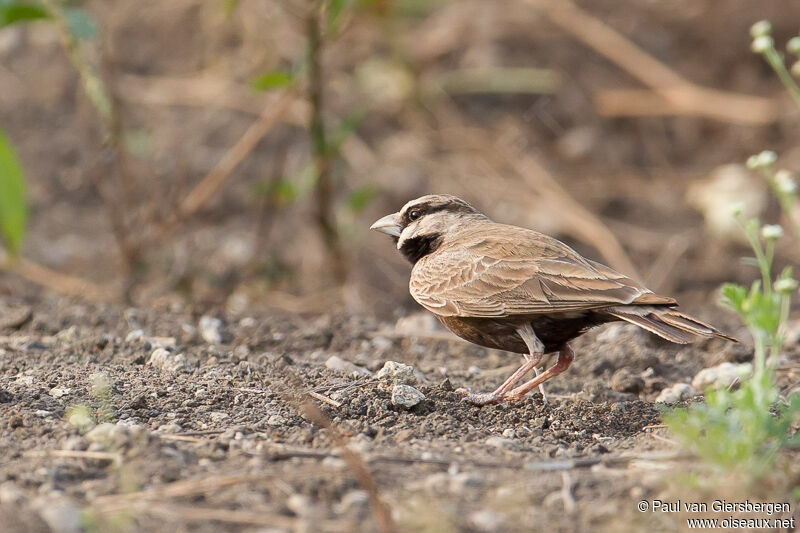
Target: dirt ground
205	428
214	437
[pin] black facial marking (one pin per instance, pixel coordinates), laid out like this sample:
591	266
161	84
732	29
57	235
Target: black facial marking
416	248
427	208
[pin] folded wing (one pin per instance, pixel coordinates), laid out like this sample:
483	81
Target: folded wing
513	271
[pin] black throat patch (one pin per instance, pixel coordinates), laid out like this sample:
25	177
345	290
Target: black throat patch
418	247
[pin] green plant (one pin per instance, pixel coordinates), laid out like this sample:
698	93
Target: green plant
744	429
737	429
13	206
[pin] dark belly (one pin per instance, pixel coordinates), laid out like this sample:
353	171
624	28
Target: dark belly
501	333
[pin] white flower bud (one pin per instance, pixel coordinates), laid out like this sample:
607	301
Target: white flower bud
760	29
762	44
793	46
785	286
785	182
752	162
767	158
771	232
737	209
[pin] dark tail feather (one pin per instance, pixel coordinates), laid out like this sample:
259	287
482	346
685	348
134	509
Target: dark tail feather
666	323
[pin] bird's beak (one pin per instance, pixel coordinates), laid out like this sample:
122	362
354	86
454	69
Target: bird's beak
388	225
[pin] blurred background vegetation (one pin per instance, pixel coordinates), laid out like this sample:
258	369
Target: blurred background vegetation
234	153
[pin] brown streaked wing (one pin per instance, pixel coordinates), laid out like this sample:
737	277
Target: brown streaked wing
506	270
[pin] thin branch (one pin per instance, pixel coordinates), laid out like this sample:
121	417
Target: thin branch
324	192
682	94
56	281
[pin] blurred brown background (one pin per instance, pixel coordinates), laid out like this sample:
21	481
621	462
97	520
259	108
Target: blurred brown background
556	117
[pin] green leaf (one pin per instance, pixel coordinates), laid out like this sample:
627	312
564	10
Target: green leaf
334	11
81	24
13	208
275	79
15	12
361	197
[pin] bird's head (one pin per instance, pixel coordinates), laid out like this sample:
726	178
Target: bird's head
423	224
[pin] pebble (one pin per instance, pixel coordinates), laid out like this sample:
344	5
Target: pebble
299	504
218	416
170	428
722	375
624	380
276	420
509	433
395	372
338	364
209	328
406	396
58	392
486	520
165	360
137	335
676	393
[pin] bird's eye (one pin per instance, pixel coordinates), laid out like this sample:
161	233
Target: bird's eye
414	215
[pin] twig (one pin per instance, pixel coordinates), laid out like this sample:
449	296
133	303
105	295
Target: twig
323	191
194	513
77	454
671	86
324	399
96	92
270	116
379	509
56	281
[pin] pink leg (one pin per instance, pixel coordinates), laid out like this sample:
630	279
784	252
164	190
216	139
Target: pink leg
497	396
565	357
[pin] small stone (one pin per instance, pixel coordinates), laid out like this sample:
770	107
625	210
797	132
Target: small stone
170	428
416	323
209	328
68	335
58	392
338	364
486	521
276	420
676	393
42	413
406	396
299	504
509	433
624	380
382	343
165	360
354	501
137	335
722	375
200	394
217	416
395	372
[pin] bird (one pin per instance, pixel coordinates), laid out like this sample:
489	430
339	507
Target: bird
515	289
